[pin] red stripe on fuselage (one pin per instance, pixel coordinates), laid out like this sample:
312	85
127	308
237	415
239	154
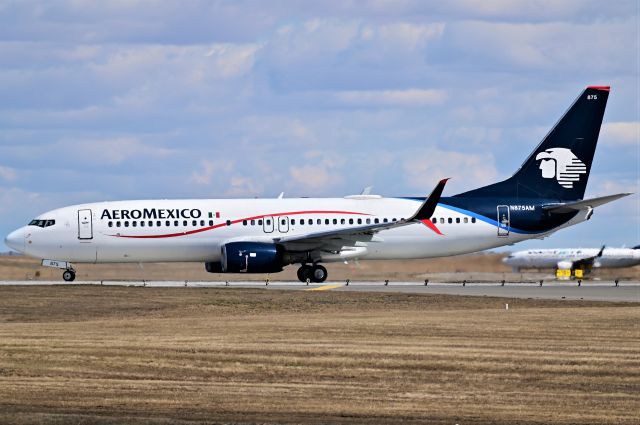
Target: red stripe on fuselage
431	226
216	226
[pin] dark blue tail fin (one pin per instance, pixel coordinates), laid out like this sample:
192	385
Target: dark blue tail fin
559	167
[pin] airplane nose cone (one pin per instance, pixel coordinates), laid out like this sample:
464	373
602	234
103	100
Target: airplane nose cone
15	240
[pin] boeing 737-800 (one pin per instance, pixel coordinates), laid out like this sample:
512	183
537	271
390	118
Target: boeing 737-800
265	235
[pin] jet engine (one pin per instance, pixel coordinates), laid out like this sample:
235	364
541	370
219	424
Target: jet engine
248	257
565	265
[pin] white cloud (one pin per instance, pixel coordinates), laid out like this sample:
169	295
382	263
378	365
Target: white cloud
621	133
110	151
320	171
8	173
210	169
466	170
244	186
404	98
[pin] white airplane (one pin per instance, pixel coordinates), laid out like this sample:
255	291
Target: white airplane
574	258
265	235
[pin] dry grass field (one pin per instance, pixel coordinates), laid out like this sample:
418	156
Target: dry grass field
471	267
113	355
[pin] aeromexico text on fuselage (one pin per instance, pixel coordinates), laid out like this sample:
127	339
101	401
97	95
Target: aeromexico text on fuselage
151	213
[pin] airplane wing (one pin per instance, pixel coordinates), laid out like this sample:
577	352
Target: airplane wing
334	240
586	204
587	262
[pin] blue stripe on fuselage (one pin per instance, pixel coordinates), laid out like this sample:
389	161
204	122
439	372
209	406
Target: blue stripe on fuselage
477	216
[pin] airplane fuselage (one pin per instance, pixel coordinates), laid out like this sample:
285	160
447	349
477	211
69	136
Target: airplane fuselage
195	230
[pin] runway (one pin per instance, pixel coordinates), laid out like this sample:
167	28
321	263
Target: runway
591	291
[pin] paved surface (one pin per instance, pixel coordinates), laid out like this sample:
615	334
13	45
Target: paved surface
593	291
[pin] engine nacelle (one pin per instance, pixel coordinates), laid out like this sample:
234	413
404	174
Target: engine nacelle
252	257
213	266
565	265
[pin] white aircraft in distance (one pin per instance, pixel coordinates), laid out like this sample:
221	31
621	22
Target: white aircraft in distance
264	235
574	258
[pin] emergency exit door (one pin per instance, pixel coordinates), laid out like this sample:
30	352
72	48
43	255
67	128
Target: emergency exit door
85	224
503	221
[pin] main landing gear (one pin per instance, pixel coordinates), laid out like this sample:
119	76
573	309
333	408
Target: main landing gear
315	273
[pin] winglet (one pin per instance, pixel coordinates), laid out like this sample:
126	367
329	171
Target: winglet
601	251
429	205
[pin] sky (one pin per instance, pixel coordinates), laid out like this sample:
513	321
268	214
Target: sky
120	99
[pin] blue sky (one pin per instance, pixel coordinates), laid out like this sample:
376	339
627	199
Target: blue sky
143	99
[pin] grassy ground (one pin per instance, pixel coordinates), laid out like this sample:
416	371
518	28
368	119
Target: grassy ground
107	355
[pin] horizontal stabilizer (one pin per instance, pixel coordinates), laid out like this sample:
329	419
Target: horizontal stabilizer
582	205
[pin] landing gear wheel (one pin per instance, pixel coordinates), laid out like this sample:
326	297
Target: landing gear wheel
304	273
318	274
69	275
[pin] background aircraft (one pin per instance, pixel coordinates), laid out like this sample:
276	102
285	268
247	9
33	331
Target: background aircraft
574	258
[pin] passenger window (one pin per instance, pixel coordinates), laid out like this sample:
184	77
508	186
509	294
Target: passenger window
168	223
176	223
393	219
184	223
244	222
142	224
268	222
283	221
110	224
150	223
350	221
126	224
359	221
228	222
134	224
253	222
326	221
210	222
368	221
158	223
302	221
318	222
117	224
385	220
473	219
450	220
259	222
335	221
310	221
293	221
434	220
343	221
441	220
466	219
457	219
376	220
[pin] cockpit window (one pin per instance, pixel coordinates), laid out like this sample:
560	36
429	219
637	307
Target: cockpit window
42	223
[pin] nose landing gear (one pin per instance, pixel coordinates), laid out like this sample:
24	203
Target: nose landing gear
315	273
69	275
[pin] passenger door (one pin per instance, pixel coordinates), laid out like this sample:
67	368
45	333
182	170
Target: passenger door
503	221
85	225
